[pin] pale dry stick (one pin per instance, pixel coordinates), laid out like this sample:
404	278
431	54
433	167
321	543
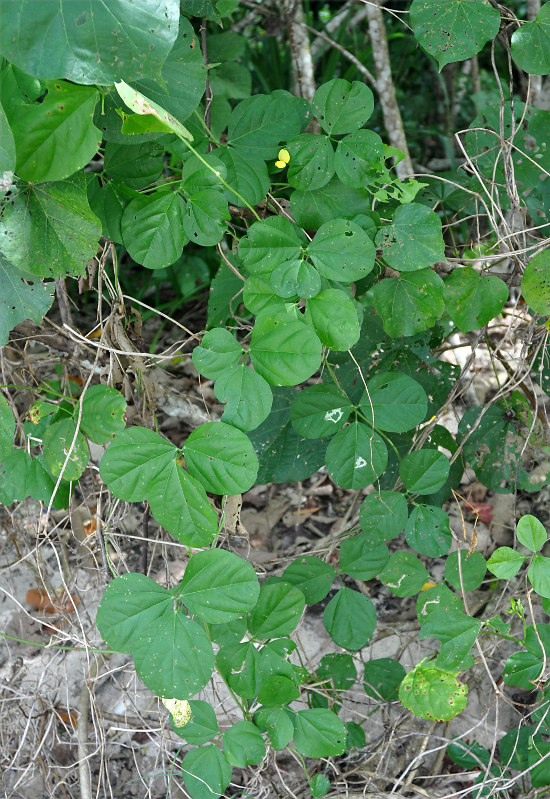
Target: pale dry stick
129	353
160	313
333	24
544	658
361	68
300	50
228	263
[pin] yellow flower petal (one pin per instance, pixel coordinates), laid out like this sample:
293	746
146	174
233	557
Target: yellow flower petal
428	585
280	164
180	710
284	155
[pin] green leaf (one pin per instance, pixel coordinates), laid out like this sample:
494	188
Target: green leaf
221	458
248	396
57	441
531	44
277	722
453	30
531	533
414	240
535	283
539	575
382	678
142	105
224	290
539	756
15	476
359	158
427	531
278	610
7	150
437	597
218	586
342	251
463	570
404	574
201	727
505	563
179	503
206	217
394	402
278	690
103	410
522	669
133	165
319	411
470	756
356	456
229	633
362	559
240	666
133	461
217	352
49	230
90	46
296	278
243	744
341	106
181	83
248	176
350	619
283	454
514	747
383	515
270	243
259	296
284	352
259	123
206	773
320	785
339	669
424	471
409	304
172	654
355	738
457	632
312	576
319	733
472	300
7	427
22	296
433	694
334	200
55	137
311	163
333	316
152	229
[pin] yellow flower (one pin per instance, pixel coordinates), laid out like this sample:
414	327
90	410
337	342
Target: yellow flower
284	158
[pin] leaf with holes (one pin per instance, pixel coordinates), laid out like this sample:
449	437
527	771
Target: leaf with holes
409	304
22	296
359	158
206	217
218	586
535	283
341	106
311	161
427	531
404	574
432	693
356	456
342	251
103	410
297	278
414	239
453	30
221	458
383	515
472	300
350	619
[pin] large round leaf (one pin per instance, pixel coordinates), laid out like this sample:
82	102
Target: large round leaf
248	397
424	471
531	44
206	773
90	44
341	106
278	610
179	503
152	229
463	570
535	283
319	411
356	456
382	678
311	161
333	316
414	240
103	410
55	137
362	559
297	278
350	619
57	442
206	217
312	576
319	733
394	402
359	158
383	515
472	300
218	586
433	694
342	251
131	604
410	304
334	200
243	744
284	352
269	243
453	30
427	531
404	574
133	461
248	176
221	458
218	351
201	727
